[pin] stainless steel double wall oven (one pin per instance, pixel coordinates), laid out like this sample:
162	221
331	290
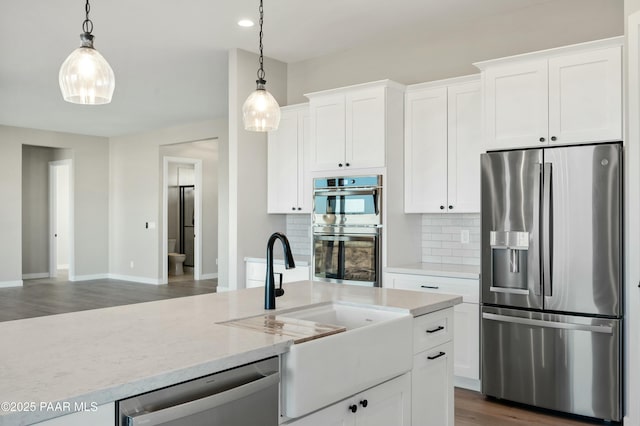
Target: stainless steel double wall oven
347	221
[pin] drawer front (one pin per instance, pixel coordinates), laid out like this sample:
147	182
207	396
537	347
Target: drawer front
467	288
432	330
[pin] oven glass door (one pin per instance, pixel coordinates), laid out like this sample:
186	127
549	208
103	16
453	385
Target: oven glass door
340	207
350	259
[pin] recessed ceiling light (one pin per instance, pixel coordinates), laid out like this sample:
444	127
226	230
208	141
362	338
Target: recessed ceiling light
246	23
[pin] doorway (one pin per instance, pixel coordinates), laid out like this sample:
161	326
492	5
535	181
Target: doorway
182	212
60	219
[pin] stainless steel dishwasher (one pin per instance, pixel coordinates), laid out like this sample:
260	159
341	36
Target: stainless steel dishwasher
242	396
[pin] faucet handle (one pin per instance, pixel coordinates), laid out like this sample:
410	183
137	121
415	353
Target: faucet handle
279	290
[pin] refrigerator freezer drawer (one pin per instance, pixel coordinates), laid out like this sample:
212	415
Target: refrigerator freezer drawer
561	362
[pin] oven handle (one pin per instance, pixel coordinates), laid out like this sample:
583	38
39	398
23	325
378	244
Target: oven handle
344	193
344	237
203	404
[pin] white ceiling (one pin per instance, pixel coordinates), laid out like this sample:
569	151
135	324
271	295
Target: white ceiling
170	57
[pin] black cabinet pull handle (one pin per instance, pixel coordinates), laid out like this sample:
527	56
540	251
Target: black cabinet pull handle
299	208
435	330
353	408
364	403
450	207
347	164
553	138
542	139
435	287
436	356
441	207
293	208
339	164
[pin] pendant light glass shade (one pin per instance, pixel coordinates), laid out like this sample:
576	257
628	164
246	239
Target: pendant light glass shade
261	112
86	77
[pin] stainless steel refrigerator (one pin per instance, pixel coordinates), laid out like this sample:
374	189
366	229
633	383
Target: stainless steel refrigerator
552	278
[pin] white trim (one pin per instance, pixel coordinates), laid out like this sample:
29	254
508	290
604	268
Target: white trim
209	276
632	225
197	255
90	277
444	82
380	83
548	53
35	275
7	284
466	383
65	266
141	280
53	267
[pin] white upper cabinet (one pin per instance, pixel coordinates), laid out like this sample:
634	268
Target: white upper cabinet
349	126
442	146
566	95
289	183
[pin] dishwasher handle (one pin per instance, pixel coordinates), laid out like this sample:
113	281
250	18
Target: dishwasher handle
203	404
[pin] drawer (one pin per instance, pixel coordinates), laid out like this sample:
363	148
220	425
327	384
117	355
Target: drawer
467	288
432	330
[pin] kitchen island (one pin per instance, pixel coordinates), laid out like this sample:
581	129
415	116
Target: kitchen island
52	365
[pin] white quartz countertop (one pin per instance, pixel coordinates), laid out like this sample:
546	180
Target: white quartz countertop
438	270
103	355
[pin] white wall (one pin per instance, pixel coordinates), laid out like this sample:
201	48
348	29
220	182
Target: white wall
135	194
432	55
90	179
249	225
62	217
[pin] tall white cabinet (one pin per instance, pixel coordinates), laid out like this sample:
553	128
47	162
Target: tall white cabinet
350	125
565	95
443	142
288	180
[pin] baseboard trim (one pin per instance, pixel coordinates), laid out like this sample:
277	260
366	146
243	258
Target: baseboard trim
89	277
35	276
141	280
209	276
466	383
7	284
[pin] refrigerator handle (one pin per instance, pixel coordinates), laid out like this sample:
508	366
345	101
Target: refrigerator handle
547	230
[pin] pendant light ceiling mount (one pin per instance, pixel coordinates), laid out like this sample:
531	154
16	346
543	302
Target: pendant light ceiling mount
85	76
261	112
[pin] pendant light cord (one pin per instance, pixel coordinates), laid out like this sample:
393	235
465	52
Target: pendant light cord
261	74
87	24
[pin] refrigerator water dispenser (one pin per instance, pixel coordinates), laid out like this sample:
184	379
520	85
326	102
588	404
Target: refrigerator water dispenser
509	250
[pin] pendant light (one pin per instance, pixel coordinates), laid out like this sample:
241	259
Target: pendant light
261	112
85	76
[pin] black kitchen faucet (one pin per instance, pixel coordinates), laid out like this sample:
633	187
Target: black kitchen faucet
270	291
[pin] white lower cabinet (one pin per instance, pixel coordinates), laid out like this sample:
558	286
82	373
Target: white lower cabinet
101	415
466	329
384	405
256	272
432	387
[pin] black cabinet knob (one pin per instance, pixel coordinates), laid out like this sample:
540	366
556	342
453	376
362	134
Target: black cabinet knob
542	139
450	207
299	208
347	164
364	403
293	208
353	408
553	138
441	207
339	164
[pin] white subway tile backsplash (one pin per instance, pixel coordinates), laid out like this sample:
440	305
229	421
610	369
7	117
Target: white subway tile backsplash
298	230
441	238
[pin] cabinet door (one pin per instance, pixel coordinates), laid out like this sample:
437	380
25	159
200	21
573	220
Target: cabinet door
305	189
337	414
425	151
464	148
466	339
432	387
365	128
516	110
282	175
386	404
585	97
327	132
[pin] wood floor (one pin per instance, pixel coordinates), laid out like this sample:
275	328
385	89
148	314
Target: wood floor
473	409
54	296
